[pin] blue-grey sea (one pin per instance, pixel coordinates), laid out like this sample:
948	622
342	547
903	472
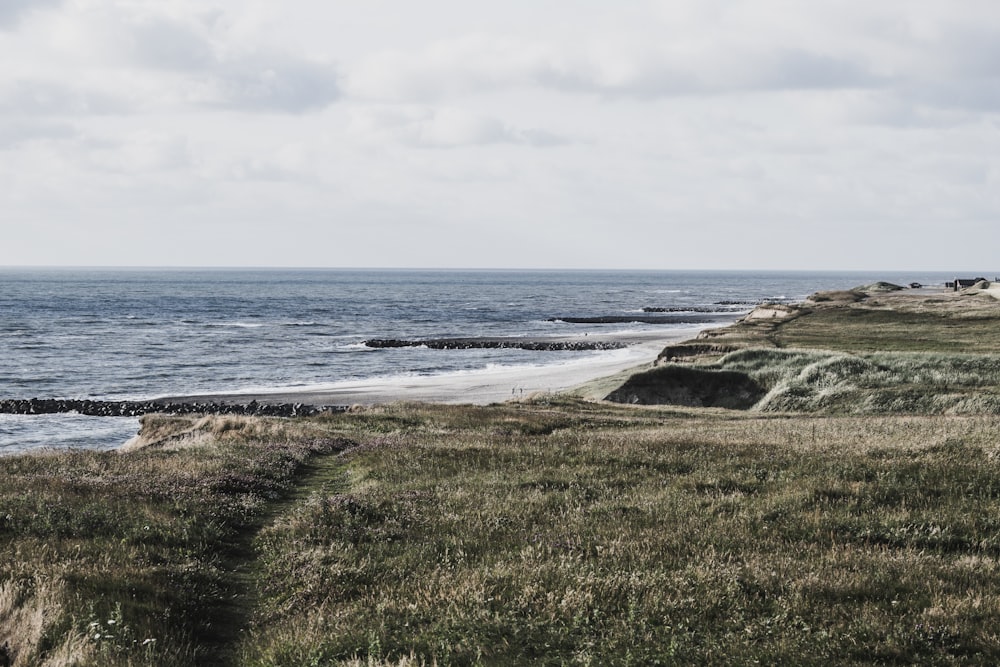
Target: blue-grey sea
145	333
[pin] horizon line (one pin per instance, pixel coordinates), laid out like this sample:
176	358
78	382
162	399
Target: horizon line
166	267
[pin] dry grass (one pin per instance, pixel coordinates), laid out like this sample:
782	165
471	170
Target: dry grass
30	610
548	532
127	559
622	537
553	531
898	321
868	383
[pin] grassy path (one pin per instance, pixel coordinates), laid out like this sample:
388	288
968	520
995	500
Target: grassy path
243	570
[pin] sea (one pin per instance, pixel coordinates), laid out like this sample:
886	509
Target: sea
136	334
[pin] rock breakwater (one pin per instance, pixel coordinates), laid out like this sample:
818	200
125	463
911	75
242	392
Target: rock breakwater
496	343
48	406
694	318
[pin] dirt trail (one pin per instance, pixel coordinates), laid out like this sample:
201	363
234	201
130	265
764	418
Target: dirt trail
242	568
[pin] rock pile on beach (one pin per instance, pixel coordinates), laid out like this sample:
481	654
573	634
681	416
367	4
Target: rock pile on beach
495	343
694	318
681	309
44	406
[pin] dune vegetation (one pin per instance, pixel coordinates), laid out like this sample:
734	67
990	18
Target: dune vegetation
809	527
841	352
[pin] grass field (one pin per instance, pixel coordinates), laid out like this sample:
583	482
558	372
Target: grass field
955	322
552	532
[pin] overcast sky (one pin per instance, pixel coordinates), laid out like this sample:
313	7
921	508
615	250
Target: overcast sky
678	134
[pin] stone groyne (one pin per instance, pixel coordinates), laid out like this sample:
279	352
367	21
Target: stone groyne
495	344
43	406
694	318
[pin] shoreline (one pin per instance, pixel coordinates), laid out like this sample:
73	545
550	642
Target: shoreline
478	387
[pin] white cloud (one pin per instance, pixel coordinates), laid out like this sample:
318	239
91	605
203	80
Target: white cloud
100	57
689	133
140	152
924	57
289	162
273	83
615	65
162	42
56	98
442	127
15	134
458	66
11	11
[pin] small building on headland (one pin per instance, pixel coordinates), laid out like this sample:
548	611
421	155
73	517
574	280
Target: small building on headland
962	283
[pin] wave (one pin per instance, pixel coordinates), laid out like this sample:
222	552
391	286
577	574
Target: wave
236	325
354	347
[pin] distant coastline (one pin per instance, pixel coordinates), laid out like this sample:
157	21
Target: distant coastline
111	339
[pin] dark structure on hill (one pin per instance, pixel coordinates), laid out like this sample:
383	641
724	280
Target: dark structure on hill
961	283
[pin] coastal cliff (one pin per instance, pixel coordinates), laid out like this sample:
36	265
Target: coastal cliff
874	349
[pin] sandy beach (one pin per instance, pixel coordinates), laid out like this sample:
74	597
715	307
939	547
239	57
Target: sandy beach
480	387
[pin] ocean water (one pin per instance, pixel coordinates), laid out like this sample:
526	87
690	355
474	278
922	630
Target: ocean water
137	334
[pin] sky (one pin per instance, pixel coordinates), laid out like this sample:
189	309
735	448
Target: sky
667	134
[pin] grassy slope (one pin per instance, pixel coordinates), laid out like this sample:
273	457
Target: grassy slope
896	353
897	322
551	532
